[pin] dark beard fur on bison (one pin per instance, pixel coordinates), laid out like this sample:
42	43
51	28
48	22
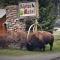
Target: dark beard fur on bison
39	39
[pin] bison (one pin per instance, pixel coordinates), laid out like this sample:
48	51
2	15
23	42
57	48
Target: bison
39	39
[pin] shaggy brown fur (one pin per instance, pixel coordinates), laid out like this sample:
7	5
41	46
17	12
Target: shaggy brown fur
39	40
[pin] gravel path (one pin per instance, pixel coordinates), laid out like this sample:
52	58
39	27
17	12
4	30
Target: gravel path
55	56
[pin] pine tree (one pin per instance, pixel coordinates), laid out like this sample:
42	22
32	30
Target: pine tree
47	17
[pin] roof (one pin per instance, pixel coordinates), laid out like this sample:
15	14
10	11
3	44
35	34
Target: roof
2	12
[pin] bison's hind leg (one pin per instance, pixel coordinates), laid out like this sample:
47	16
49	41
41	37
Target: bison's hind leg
51	43
51	46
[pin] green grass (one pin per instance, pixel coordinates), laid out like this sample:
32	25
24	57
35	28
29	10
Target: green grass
14	52
56	47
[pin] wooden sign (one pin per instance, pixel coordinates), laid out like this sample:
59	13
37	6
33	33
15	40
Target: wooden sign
27	9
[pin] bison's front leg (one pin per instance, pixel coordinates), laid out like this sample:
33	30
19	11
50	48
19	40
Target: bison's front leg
43	47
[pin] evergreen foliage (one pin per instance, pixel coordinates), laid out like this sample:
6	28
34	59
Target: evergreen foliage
47	17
